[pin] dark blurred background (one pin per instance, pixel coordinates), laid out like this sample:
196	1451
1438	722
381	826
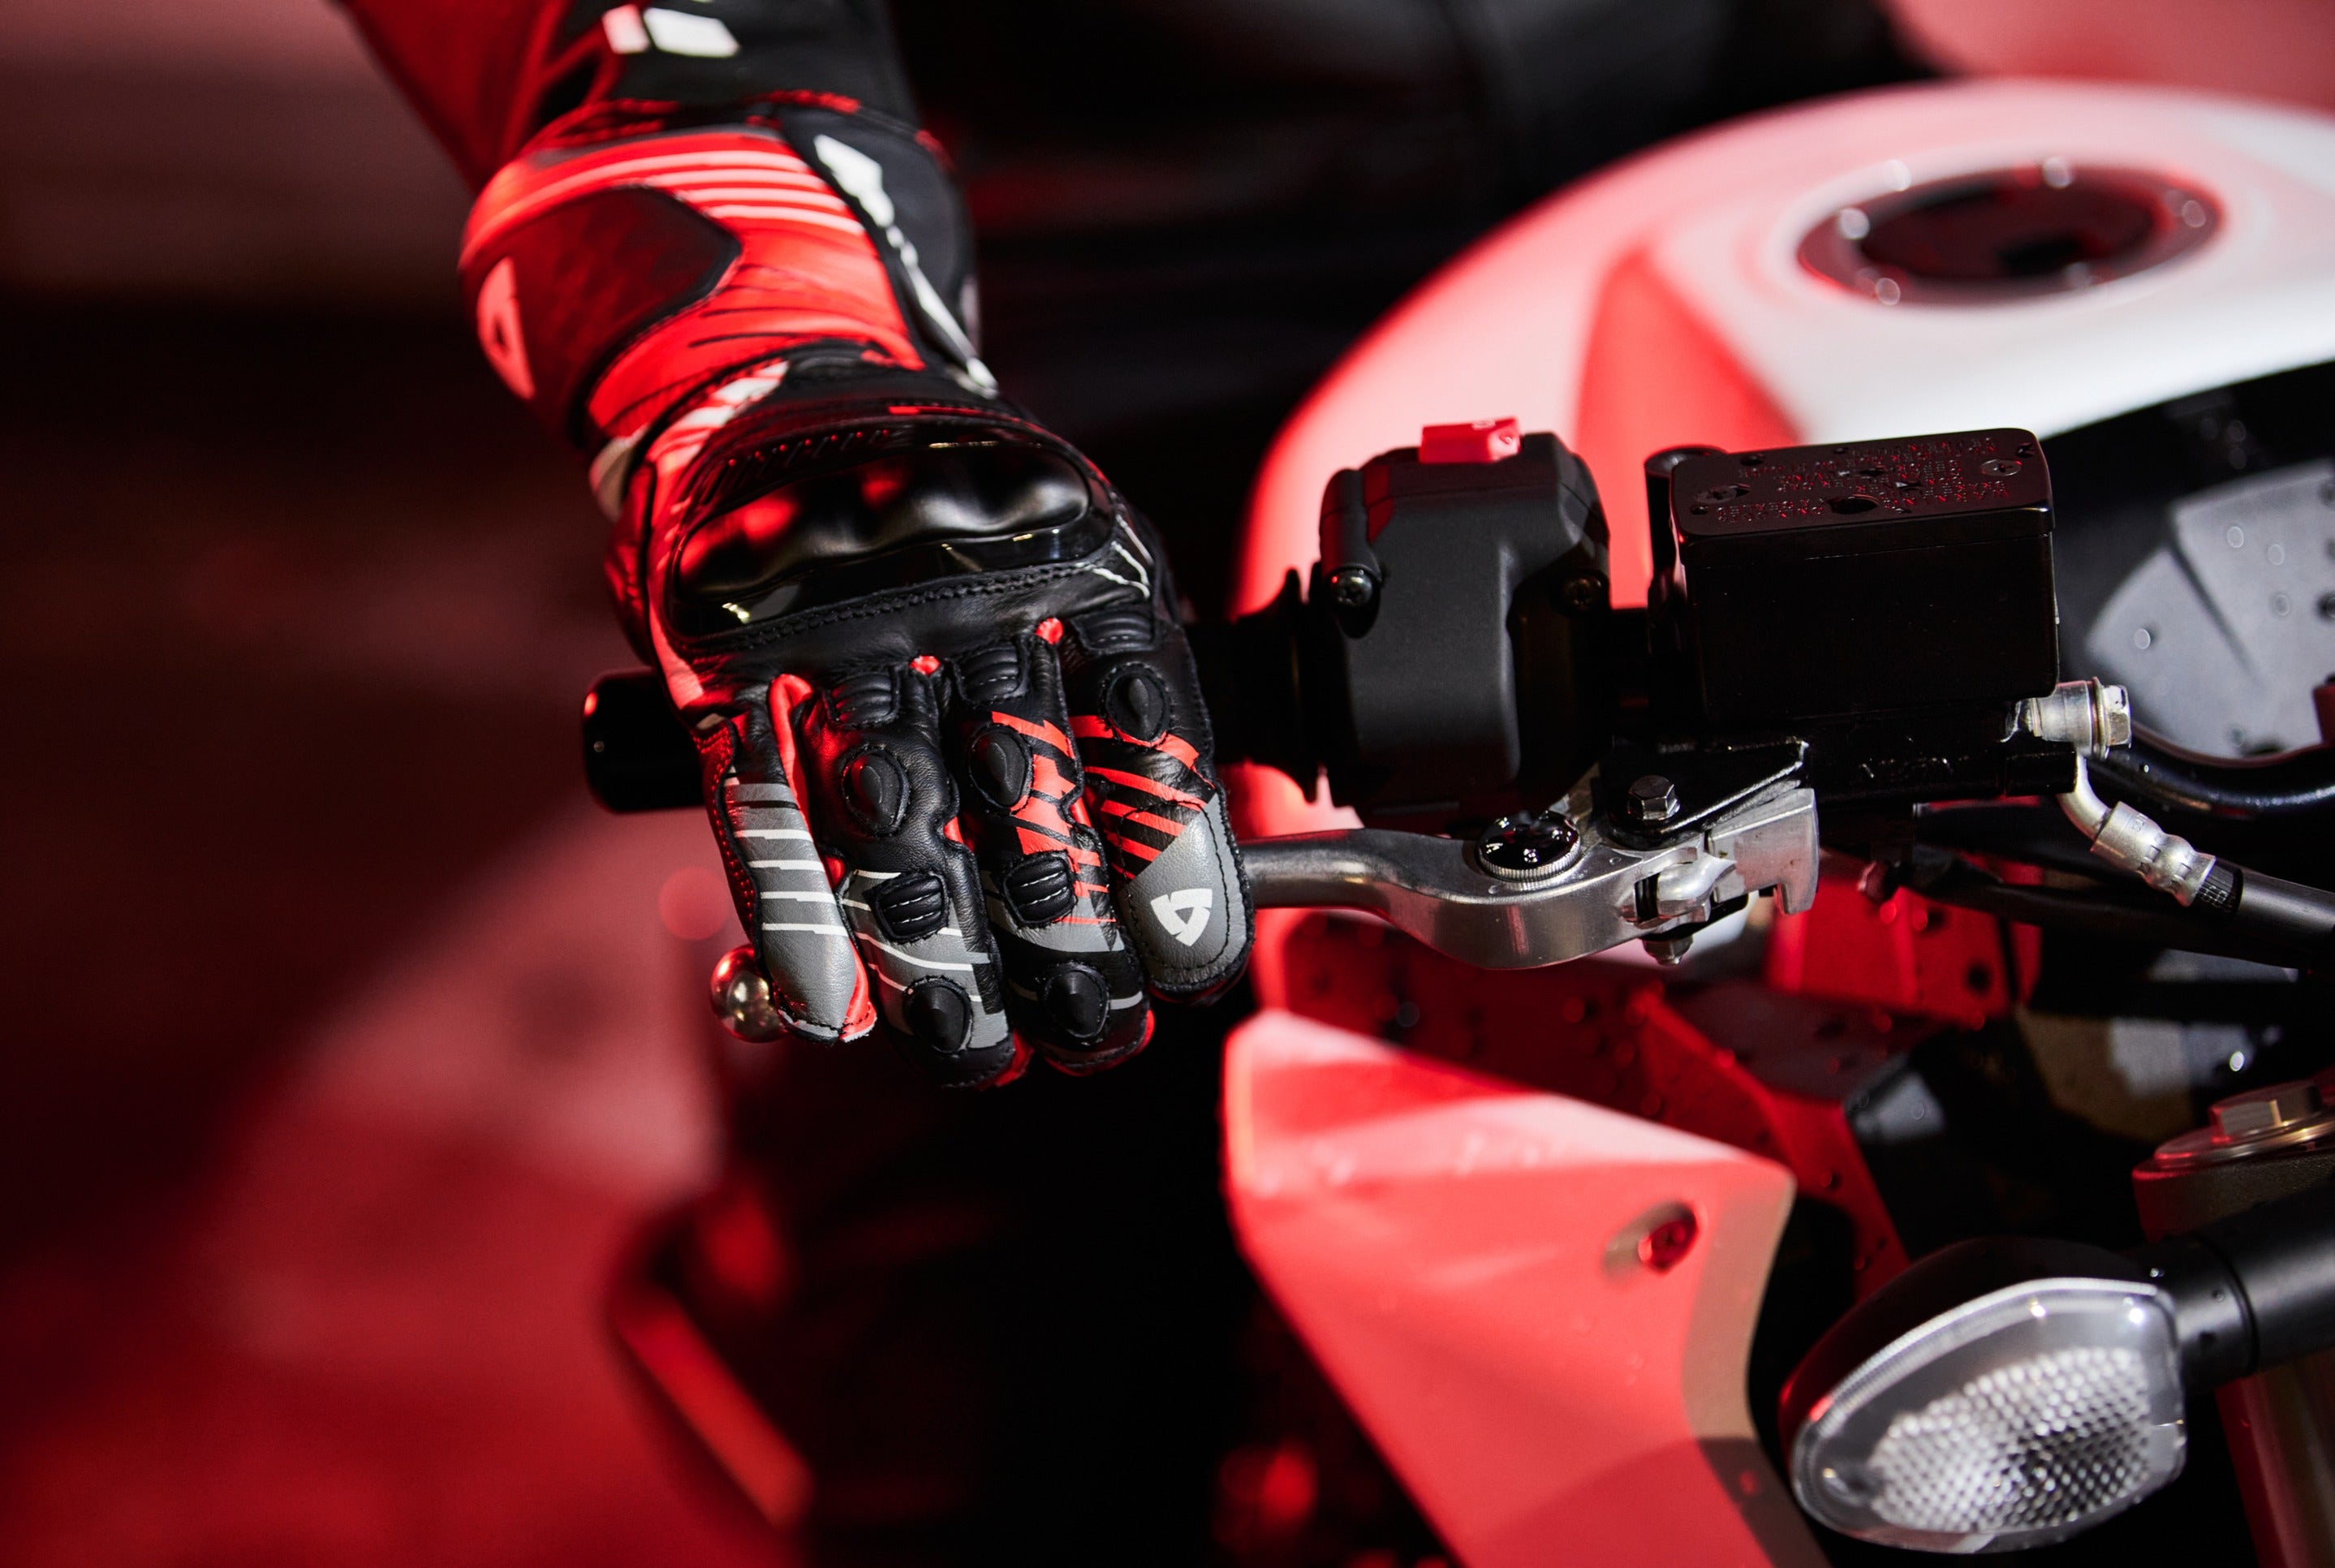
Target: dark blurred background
345	1044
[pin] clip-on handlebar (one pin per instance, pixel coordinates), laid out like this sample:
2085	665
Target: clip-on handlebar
1858	632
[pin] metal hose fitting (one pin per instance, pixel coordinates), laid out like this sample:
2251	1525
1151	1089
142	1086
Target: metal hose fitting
2124	837
2092	716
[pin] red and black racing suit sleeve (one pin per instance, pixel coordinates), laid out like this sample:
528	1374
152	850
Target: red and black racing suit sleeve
488	75
675	196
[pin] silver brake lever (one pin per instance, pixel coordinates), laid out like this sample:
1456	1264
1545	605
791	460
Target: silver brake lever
1574	891
1533	891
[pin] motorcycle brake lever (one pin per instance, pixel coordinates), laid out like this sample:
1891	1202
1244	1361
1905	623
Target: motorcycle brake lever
1590	893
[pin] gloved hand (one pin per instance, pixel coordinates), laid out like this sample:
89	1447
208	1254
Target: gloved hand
953	746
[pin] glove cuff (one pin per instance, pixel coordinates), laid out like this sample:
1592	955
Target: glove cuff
616	269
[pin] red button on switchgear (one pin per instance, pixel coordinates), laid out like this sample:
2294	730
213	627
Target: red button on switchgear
1481	441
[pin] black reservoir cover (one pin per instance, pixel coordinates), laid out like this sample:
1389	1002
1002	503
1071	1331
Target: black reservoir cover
1874	577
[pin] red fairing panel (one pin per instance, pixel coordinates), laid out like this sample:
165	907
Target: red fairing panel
1905	954
1541	1310
1608	1034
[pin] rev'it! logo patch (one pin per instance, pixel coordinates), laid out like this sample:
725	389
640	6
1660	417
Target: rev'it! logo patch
1185	912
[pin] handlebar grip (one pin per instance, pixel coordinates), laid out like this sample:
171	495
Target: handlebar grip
637	755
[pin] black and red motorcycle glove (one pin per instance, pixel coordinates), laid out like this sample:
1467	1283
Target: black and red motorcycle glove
954	750
953	746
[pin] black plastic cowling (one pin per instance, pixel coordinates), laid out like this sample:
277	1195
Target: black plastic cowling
1450	656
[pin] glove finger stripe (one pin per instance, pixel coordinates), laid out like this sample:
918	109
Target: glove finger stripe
1076	987
883	807
1143	736
789	908
901	968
